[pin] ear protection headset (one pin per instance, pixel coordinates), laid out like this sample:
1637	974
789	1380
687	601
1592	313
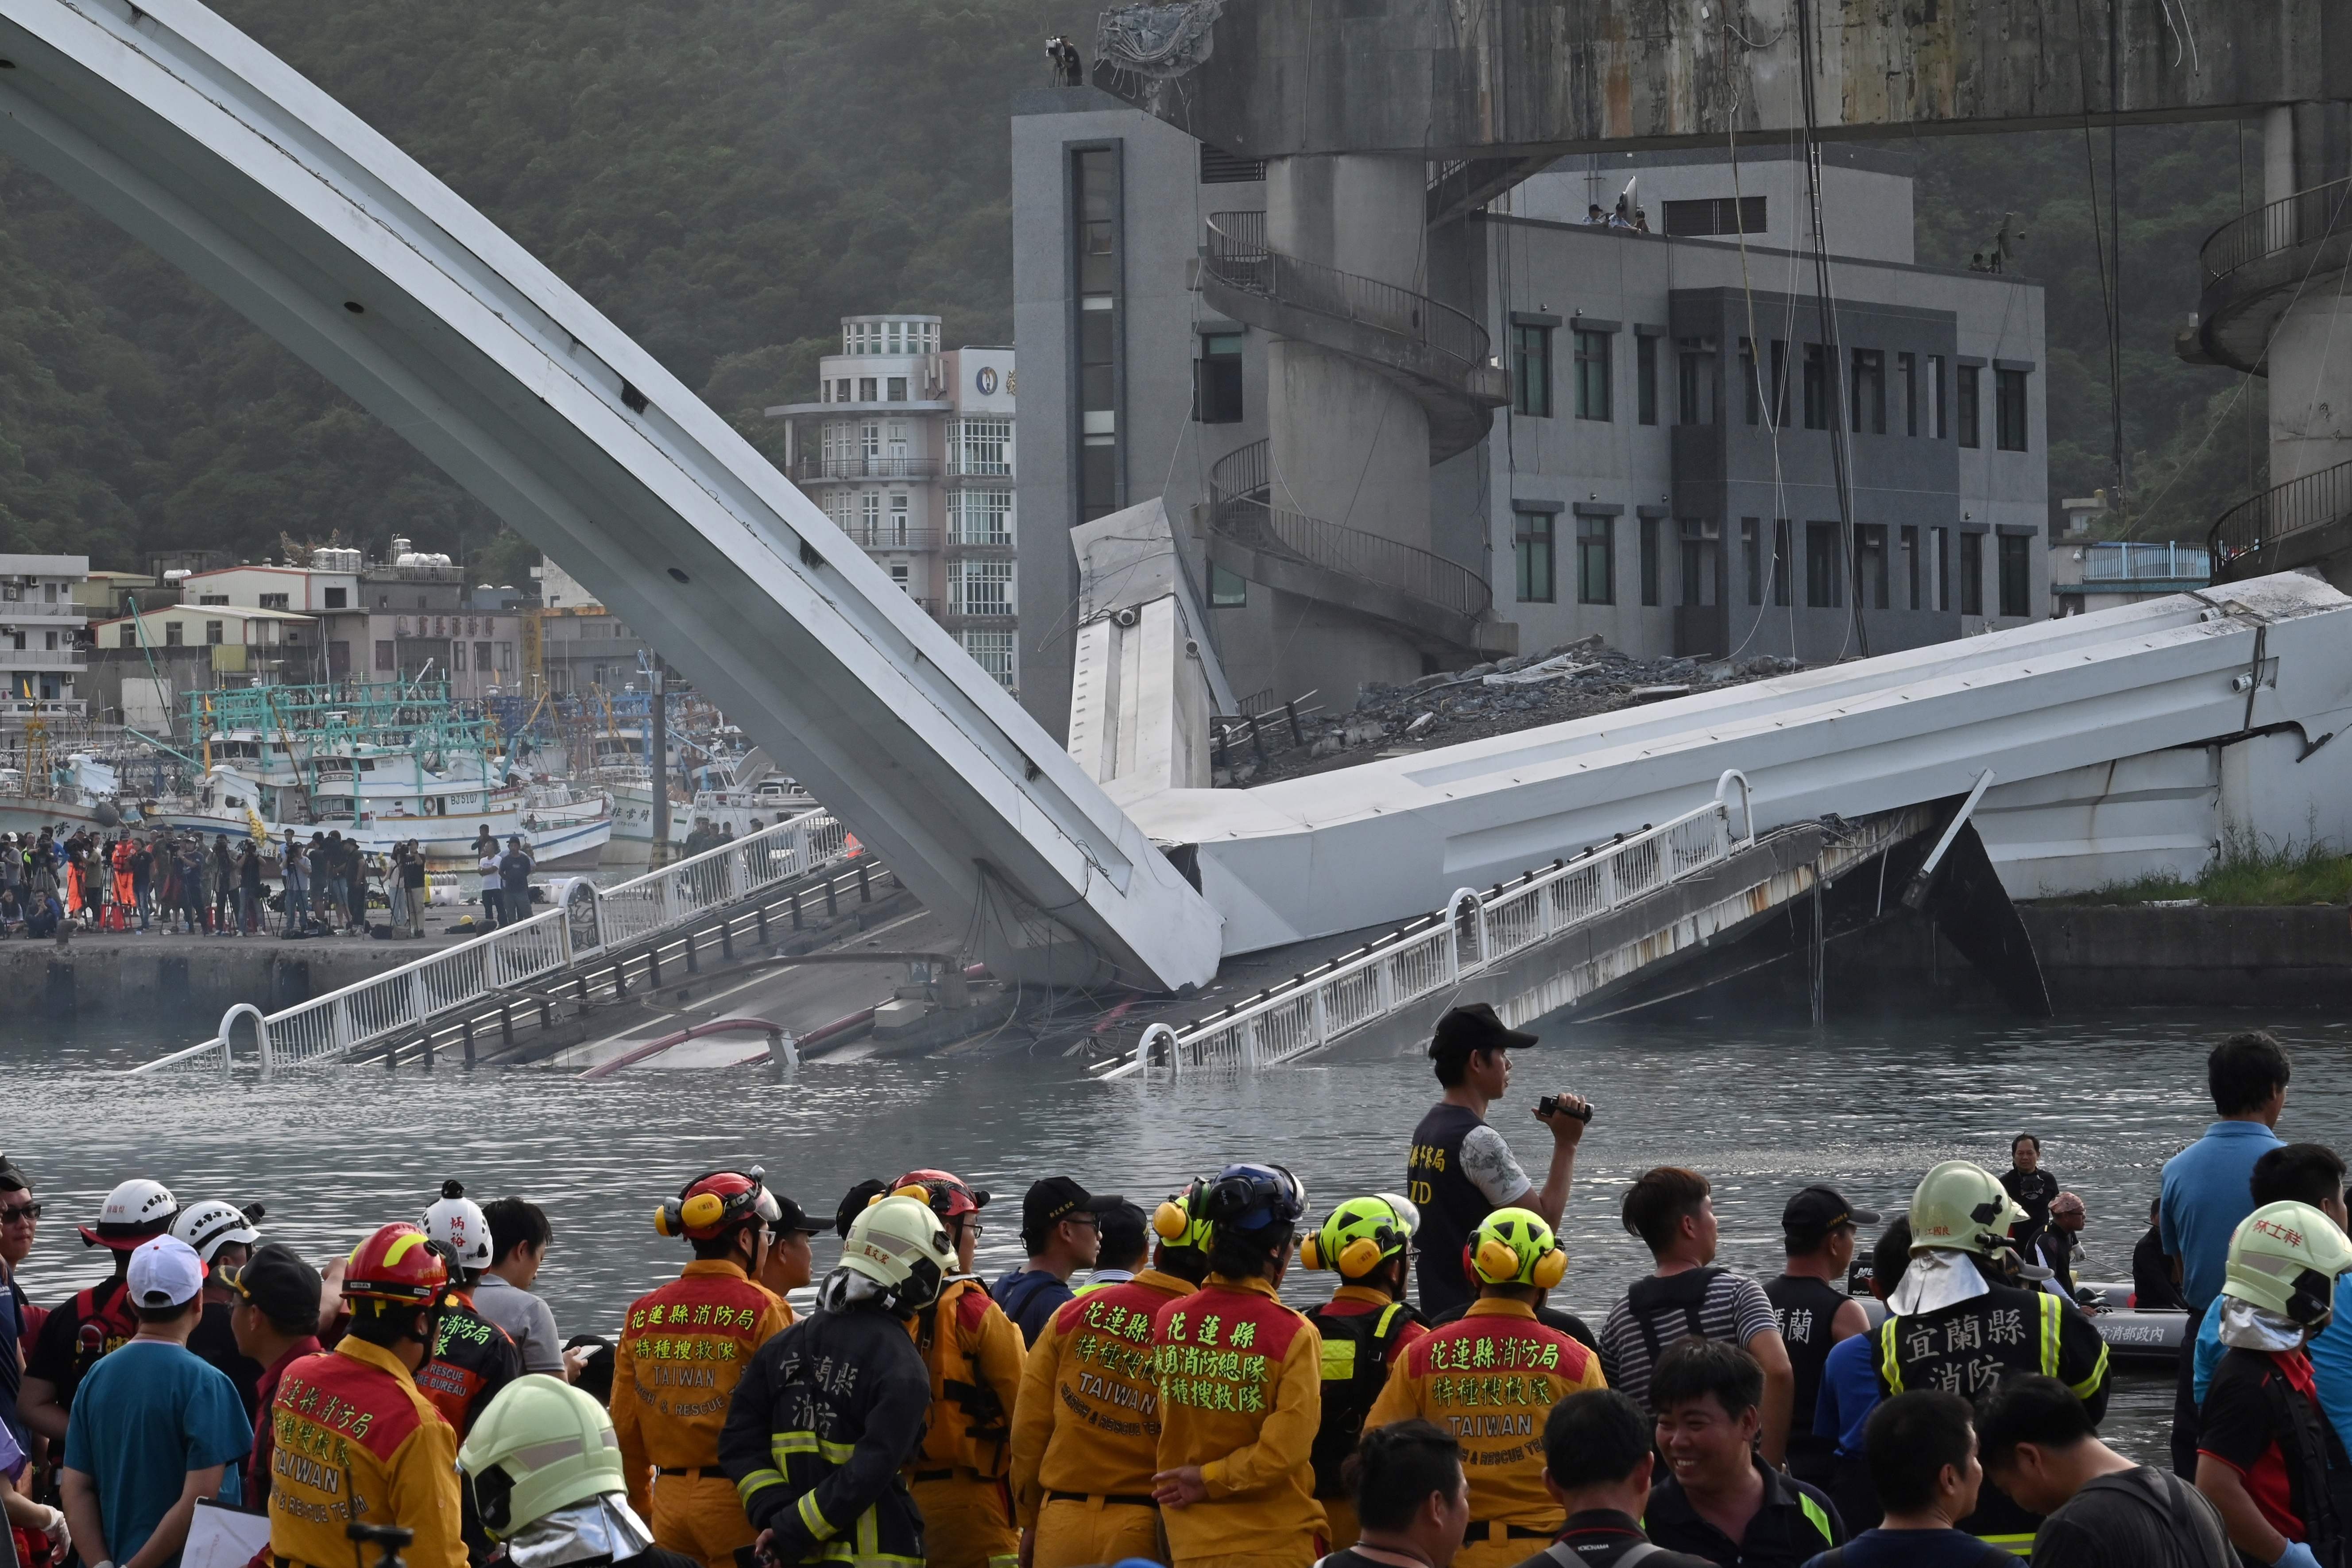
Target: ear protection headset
1179	1221
1512	1246
709	1204
1360	1235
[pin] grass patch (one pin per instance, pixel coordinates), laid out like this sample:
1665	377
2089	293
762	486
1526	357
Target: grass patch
2245	874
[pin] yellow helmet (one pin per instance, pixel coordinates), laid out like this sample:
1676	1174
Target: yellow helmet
1513	1247
1959	1205
2285	1258
1360	1235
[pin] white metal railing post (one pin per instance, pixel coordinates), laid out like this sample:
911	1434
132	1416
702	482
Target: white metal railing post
1747	801
1318	1012
229	1040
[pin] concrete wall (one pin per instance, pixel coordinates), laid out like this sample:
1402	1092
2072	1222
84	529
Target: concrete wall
1866	193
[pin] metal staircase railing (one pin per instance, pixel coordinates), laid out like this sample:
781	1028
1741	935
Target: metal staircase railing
2259	523
1240	509
1473	932
2303	218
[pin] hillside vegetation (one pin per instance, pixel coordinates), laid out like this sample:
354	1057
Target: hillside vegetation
724	178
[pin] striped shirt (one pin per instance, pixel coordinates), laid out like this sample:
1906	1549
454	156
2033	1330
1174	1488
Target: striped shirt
1734	1310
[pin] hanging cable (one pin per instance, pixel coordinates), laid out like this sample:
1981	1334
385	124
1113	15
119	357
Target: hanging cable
1833	368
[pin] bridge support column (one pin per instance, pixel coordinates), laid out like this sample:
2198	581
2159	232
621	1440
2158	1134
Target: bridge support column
2306	146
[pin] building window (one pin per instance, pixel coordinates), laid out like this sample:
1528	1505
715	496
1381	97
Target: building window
1596	560
979	447
274	601
980	517
992	651
1906	369
1938	423
2016	575
1217	377
1817	387
1219	167
897	389
1869	392
1649	560
382	655
1695	382
1751	553
1645	379
1531	371
1717	214
337	598
1967	402
979	587
868	390
1779	384
1592	375
902	572
506	658
1784	553
1943	569
899	517
1972	573
2008	411
1095	190
212	634
1911	567
458	656
841	390
127	637
869	514
1227	590
212	598
1531	546
174	636
1870	565
1748	379
1823	574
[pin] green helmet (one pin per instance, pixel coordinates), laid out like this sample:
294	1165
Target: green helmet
540	1445
1961	1206
2285	1258
1181	1222
1513	1247
900	1245
1362	1235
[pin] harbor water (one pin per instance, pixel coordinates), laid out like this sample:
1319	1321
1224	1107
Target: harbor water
1762	1109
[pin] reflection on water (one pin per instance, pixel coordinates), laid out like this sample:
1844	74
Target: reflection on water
1761	1110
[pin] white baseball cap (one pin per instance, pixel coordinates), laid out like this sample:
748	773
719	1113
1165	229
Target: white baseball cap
165	1272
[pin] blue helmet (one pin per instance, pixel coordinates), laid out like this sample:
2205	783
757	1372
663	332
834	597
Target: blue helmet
1256	1197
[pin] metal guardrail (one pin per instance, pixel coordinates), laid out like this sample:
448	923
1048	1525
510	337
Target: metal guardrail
2108	560
1238	256
2304	219
867	468
887	538
591	920
1240	510
1473	932
2261	521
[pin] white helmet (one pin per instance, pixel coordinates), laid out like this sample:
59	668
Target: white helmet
212	1225
458	1223
139	1210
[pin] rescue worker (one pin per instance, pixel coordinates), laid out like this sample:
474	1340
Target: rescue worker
1366	1326
831	1410
1085	1430
99	1319
473	1358
543	1475
356	1443
790	1263
682	1351
973	1354
1963	1315
2267	1458
1241	1390
1490	1378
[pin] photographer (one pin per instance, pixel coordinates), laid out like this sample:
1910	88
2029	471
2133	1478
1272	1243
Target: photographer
1460	1169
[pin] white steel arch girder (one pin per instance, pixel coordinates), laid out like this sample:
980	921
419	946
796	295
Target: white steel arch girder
232	166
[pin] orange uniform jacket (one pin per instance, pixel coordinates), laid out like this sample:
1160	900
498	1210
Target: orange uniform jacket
356	1444
1490	1378
1241	1395
683	1349
972	1343
1089	1420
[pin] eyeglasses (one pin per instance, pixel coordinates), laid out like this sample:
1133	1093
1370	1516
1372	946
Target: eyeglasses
28	1212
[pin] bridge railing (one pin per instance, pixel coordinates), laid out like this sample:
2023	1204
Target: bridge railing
590	921
2310	501
1473	932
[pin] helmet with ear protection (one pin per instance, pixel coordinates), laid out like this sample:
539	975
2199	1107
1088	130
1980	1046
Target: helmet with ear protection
1360	1235
1250	1198
1181	1221
1513	1247
717	1202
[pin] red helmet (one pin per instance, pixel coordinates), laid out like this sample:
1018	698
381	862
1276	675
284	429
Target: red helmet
712	1205
946	1193
398	1263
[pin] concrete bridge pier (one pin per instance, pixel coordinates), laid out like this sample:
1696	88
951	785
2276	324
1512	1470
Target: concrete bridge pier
2307	147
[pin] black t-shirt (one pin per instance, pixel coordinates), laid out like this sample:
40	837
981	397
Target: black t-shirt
1806	1307
1795	1523
214	1342
2152	1287
1918	1548
2033	1190
1598	1538
2134	1519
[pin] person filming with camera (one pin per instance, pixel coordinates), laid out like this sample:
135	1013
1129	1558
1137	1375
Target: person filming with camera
1460	1169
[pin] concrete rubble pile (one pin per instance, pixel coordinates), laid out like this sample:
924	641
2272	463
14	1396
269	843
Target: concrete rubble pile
1525	693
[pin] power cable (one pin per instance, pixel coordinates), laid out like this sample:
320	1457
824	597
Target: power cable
1832	352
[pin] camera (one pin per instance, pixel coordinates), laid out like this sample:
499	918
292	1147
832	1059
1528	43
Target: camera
1549	1105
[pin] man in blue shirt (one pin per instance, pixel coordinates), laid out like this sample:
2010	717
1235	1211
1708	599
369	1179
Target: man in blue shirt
2301	1174
153	1427
2207	1191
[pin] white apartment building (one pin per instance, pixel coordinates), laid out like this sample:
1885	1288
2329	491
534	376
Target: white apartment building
38	619
908	449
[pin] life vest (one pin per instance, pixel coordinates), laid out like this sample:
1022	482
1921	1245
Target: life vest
1653	1300
1451	1204
473	1358
1807	1308
2318	1474
971	1424
102	1327
1356	1348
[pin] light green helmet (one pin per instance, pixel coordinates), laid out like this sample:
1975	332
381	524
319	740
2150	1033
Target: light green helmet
1361	1233
900	1245
2284	1257
1961	1206
540	1445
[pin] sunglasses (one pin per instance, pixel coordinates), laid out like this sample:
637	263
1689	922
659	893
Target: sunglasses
25	1212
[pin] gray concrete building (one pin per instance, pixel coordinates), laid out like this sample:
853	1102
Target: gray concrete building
1393	448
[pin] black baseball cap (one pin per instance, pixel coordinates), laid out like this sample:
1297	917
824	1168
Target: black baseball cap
793	1216
1816	1211
276	1280
1057	1198
1473	1026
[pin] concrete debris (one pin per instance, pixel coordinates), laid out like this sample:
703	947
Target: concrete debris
1549	687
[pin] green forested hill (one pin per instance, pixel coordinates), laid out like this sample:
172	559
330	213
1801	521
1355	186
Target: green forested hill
724	178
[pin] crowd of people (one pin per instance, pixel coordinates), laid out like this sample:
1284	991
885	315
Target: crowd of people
1173	1409
187	883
